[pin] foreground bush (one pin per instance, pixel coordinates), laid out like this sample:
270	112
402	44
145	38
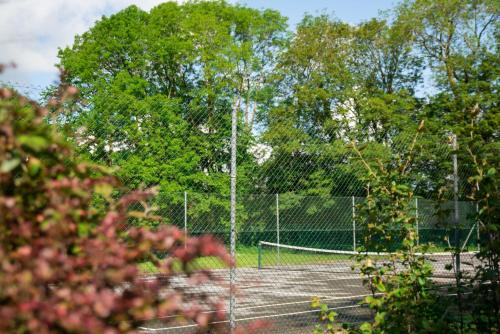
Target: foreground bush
67	265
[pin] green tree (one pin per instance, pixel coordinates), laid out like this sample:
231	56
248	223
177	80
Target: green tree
157	90
485	183
460	42
402	298
339	82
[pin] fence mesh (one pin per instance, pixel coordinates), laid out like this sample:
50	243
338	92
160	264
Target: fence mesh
294	195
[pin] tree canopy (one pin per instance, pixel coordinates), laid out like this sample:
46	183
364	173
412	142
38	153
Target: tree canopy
158	88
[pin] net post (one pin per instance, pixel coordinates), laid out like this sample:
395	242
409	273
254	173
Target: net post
259	256
353	224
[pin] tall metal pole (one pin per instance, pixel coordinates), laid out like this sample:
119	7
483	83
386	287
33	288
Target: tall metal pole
457	230
353	224
232	272
456	213
278	225
185	215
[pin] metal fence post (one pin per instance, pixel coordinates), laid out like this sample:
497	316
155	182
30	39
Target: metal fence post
456	213
259	256
457	230
353	224
416	220
185	215
278	226
478	222
232	271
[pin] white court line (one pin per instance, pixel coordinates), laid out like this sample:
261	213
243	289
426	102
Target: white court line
297	294
301	302
259	317
308	281
284	304
245	319
265	282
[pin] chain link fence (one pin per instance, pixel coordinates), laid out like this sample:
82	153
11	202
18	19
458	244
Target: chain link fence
298	222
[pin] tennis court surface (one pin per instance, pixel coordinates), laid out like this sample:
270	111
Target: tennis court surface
281	291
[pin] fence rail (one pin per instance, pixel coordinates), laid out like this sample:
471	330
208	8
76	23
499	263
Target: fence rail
313	221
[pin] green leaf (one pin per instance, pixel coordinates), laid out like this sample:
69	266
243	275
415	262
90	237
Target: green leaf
34	166
104	189
318	330
84	229
380	317
421	281
380	286
9	165
315	302
366	328
36	143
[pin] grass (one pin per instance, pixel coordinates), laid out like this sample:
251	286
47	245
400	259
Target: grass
247	257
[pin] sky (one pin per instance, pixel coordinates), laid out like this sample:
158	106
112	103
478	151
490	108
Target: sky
33	30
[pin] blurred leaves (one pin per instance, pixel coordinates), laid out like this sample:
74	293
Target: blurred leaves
67	264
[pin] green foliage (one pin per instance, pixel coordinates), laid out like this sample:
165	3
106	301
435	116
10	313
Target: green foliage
485	182
339	82
328	319
402	297
460	41
157	90
180	69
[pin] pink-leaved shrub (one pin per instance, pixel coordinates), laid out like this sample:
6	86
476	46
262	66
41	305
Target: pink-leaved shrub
67	265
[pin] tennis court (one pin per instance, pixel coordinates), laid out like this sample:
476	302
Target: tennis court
281	292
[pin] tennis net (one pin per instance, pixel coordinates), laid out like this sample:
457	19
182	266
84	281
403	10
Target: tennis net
287	257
